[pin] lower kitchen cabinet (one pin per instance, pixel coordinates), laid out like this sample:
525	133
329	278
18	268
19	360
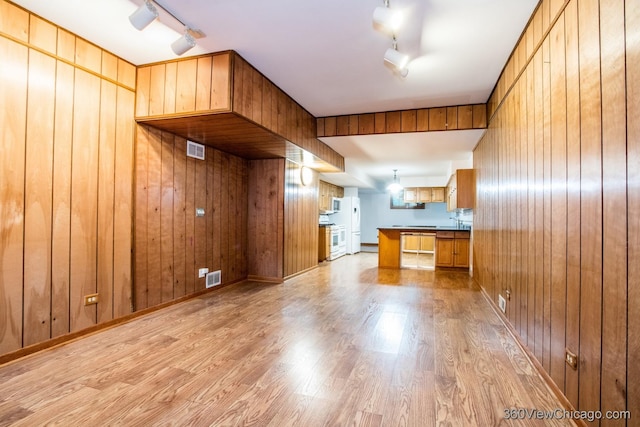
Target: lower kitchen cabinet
324	243
452	249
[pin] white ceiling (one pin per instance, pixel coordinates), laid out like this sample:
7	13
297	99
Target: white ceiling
328	56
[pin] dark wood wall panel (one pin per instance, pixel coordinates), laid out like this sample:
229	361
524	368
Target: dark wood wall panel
300	218
417	120
572	332
556	197
614	206
590	204
632	28
66	116
265	219
171	243
558	203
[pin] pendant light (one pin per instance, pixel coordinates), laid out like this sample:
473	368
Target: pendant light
395	186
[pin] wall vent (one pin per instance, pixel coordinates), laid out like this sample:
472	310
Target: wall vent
214	278
195	150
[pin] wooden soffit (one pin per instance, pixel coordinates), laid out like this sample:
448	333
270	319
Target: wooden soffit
220	100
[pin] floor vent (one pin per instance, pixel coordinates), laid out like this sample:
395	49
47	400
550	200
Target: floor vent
195	150
214	278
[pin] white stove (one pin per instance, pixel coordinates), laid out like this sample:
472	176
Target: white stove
338	241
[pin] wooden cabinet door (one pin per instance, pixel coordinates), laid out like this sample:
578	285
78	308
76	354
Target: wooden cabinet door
427	243
410	243
424	195
437	194
461	253
465	188
444	252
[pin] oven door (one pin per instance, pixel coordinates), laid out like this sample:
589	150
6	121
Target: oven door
335	241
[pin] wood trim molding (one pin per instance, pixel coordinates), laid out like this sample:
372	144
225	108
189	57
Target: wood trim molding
459	117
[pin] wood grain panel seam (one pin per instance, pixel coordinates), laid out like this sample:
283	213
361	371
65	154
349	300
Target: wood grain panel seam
524	66
66	61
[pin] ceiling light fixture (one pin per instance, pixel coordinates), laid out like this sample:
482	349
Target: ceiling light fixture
395	186
144	16
386	19
399	60
147	13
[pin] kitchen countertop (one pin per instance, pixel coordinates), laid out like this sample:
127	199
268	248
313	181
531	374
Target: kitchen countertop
424	228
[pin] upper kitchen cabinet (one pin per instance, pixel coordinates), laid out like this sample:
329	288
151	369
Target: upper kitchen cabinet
326	192
220	100
461	190
424	194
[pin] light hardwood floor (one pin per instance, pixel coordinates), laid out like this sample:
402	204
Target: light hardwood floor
345	344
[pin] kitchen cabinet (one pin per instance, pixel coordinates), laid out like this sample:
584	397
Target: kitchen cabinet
452	249
418	243
324	243
326	192
461	189
424	194
437	194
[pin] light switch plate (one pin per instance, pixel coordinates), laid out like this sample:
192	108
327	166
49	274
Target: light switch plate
199	211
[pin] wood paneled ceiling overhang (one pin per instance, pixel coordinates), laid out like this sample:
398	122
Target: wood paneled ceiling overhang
221	101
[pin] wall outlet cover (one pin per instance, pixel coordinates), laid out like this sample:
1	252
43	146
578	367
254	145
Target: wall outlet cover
202	272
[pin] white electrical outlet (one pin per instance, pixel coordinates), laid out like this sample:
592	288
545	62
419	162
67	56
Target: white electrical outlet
502	303
202	272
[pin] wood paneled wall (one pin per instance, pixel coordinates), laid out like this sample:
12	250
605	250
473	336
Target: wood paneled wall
556	220
171	243
66	117
224	82
258	99
300	221
266	219
200	84
283	220
457	117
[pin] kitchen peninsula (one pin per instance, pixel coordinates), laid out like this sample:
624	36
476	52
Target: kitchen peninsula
451	245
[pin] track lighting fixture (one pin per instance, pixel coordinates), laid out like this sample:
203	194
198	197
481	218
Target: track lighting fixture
399	60
148	12
386	19
395	186
183	44
144	16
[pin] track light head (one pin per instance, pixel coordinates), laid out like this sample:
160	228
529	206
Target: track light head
183	44
144	16
387	20
398	60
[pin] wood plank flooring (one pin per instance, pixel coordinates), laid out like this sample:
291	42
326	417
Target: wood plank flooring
344	344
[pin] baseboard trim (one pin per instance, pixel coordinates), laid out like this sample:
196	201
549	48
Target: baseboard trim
72	336
264	279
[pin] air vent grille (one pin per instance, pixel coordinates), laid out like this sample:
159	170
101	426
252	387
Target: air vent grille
214	278
195	150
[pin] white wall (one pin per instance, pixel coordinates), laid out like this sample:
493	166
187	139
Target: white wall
376	212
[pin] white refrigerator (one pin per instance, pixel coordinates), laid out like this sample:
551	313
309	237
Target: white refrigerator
349	216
